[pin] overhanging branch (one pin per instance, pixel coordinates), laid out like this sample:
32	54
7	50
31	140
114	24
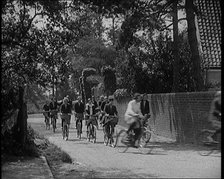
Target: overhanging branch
172	24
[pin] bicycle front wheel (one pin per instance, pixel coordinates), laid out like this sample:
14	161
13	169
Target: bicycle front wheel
122	134
202	139
54	124
79	129
63	130
47	122
145	138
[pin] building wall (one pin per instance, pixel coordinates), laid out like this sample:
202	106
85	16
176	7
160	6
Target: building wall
178	116
214	75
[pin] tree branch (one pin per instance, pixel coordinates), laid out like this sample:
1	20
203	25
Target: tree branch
172	24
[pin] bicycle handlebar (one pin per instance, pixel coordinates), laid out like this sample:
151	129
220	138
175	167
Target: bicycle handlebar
66	114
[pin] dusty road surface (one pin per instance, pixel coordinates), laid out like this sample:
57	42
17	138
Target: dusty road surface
165	160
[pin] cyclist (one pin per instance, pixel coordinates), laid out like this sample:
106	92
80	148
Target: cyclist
46	112
215	116
110	110
69	101
90	110
132	116
100	101
79	109
65	109
94	102
53	108
144	106
104	102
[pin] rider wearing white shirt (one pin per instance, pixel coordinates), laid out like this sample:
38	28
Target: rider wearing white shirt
133	113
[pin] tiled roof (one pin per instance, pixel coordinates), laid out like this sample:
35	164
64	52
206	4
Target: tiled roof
209	24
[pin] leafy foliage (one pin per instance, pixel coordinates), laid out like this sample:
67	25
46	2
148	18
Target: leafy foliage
120	94
110	83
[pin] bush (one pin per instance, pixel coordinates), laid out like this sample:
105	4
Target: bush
66	158
120	94
13	147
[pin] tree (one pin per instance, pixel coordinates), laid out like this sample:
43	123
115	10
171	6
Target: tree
84	84
194	45
109	80
176	66
24	46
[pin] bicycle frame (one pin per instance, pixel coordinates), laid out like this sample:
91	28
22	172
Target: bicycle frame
65	128
91	130
132	139
109	131
79	124
54	119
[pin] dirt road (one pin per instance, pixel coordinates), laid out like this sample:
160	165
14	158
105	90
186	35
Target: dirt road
165	160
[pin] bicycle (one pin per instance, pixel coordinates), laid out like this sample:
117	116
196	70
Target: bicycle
54	119
47	120
208	147
91	129
125	141
79	118
108	129
65	125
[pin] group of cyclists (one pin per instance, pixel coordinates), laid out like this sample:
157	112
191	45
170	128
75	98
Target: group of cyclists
104	111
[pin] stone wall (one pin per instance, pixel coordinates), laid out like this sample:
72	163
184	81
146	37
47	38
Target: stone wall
179	116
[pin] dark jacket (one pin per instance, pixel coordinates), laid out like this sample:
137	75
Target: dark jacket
100	103
79	107
103	105
70	103
66	109
53	105
95	103
144	108
46	108
110	110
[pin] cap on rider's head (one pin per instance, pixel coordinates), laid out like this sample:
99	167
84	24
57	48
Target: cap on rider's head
136	95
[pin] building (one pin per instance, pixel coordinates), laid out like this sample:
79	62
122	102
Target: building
209	32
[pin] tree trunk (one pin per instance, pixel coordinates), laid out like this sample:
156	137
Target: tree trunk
22	117
176	66
194	45
53	93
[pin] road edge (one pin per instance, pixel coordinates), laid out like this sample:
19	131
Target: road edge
47	167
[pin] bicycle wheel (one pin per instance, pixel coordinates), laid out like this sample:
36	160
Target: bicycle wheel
105	130
47	124
66	131
54	124
112	136
79	129
202	139
144	140
94	133
88	133
118	142
63	130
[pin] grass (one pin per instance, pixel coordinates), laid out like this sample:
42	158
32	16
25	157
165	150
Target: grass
55	154
50	151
